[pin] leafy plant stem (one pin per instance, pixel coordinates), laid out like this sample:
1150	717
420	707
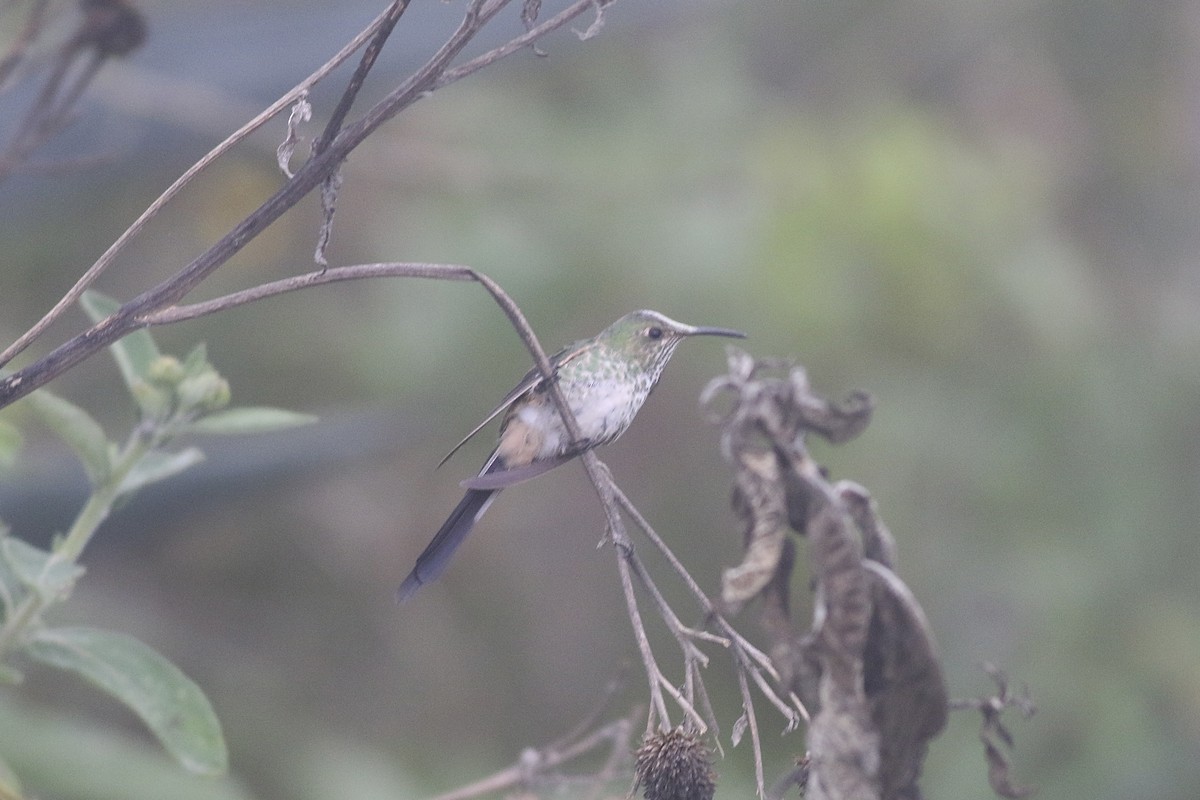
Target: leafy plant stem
16	623
71	546
98	506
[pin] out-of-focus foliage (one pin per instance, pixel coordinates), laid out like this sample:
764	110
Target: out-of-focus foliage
982	214
174	398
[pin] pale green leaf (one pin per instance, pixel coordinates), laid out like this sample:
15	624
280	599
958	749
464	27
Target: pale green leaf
12	588
70	755
10	445
35	568
172	706
10	784
10	676
249	420
135	352
158	465
196	361
78	429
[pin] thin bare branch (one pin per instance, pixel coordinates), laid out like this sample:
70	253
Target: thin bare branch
333	184
693	658
538	765
379	37
755	742
629	508
560	19
530	340
682	634
173	314
611	689
746	655
658	706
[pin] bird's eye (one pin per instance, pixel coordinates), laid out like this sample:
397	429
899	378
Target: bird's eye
654	333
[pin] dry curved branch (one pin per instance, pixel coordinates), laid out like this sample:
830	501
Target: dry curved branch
445	272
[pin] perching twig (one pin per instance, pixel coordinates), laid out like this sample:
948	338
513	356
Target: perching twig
173	314
601	479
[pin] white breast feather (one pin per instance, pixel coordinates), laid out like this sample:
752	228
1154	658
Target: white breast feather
600	418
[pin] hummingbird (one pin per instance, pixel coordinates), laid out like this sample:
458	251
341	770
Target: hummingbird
604	379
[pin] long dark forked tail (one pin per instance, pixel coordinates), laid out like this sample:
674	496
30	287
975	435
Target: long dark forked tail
436	556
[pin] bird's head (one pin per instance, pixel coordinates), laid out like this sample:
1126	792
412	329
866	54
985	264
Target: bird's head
649	338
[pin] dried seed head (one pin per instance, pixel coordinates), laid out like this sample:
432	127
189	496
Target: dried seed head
675	765
114	27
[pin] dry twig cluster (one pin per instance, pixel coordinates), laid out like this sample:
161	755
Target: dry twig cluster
158	305
868	664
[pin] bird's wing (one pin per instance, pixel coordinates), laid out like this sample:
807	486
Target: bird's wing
503	478
532	379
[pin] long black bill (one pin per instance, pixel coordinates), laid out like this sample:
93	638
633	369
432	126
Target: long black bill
706	330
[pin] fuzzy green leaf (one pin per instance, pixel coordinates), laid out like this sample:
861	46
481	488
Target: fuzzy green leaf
34	568
12	588
196	361
257	419
10	445
158	465
135	352
172	706
78	429
10	784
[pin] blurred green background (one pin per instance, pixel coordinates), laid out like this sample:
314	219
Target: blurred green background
985	214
